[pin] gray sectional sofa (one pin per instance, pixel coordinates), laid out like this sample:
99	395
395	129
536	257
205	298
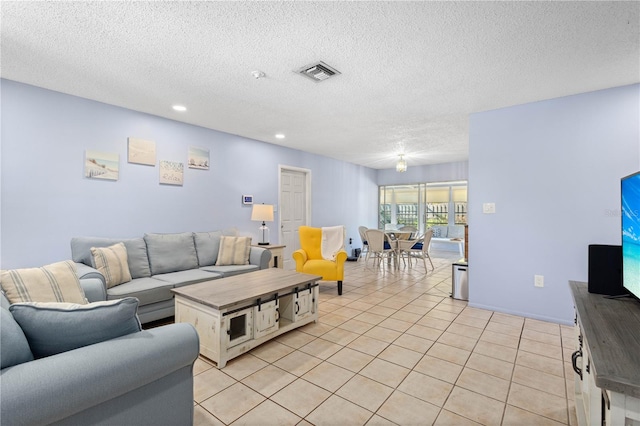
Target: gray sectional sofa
158	263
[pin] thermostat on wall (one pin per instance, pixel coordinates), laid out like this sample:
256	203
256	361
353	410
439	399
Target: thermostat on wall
247	199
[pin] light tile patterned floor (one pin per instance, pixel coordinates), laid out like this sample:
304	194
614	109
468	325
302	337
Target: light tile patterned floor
396	349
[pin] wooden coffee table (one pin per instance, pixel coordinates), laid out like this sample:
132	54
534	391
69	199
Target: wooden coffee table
235	314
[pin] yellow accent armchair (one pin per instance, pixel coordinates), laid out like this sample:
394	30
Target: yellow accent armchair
310	261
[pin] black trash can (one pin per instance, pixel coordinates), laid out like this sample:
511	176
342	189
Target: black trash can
356	255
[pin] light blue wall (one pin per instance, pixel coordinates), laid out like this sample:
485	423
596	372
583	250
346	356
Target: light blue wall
553	170
45	199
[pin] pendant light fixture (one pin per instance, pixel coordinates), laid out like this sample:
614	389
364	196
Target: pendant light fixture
401	165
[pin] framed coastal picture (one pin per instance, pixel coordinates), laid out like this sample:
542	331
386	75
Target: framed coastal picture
101	165
171	172
141	151
198	158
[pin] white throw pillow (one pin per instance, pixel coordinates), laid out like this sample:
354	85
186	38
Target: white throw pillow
112	263
234	251
57	282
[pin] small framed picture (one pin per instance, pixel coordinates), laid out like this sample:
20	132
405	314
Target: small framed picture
101	165
198	158
247	199
141	151
171	173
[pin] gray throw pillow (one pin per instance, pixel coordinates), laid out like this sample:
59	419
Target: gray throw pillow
52	328
171	252
439	231
14	348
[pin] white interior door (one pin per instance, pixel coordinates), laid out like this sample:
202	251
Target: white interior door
294	209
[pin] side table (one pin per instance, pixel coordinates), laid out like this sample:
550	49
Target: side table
277	253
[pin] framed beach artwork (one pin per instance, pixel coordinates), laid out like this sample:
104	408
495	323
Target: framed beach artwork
141	152
198	158
171	172
101	165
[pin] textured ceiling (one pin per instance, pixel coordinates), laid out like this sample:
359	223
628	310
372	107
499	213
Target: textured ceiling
412	72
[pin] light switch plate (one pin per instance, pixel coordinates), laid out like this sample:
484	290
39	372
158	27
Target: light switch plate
489	208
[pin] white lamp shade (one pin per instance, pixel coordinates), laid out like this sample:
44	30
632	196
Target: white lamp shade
262	213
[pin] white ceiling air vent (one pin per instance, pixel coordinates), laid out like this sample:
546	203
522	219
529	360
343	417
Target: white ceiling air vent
318	71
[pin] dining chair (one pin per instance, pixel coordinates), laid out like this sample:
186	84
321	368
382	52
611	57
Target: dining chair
412	229
365	245
417	249
381	247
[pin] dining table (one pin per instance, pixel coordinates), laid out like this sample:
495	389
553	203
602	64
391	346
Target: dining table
394	236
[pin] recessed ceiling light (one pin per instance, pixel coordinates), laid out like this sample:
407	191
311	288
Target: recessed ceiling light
180	108
279	136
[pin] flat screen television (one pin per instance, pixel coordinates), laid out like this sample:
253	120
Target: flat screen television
630	209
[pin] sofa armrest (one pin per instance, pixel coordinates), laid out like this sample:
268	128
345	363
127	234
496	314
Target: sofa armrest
53	388
83	271
94	289
4	302
92	281
260	257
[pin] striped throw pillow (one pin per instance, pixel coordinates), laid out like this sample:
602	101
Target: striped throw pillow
111	262
57	282
234	251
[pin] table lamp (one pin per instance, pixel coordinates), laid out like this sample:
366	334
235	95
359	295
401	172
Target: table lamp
263	212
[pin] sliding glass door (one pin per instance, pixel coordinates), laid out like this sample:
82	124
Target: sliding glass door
422	205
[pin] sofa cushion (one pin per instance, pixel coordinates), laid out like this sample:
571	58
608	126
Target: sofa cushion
146	290
207	246
52	328
234	251
14	348
230	270
57	282
171	252
112	263
455	231
136	253
192	276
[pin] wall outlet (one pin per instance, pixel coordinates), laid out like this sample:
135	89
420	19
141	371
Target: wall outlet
538	280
